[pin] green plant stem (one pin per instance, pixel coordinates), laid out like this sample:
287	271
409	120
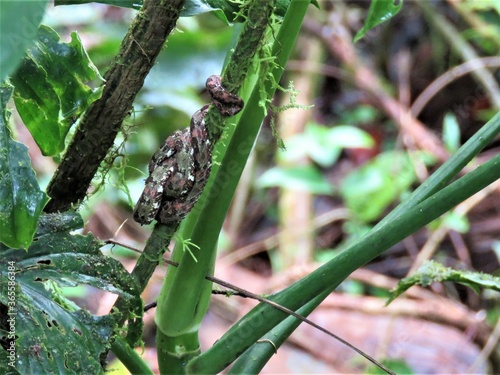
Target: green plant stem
185	294
175	352
450	168
249	42
254	359
326	278
130	358
239	148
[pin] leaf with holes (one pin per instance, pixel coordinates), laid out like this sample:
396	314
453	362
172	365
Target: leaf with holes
51	89
51	333
21	200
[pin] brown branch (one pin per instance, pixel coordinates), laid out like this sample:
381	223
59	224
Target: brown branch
102	121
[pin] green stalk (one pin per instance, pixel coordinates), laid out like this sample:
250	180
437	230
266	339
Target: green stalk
185	294
175	352
130	358
254	359
217	199
326	278
179	300
450	168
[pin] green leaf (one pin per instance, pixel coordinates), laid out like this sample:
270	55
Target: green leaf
133	4
19	22
362	114
347	136
21	200
50	88
451	133
368	190
305	178
52	334
380	11
431	272
225	10
317	144
324	145
6	363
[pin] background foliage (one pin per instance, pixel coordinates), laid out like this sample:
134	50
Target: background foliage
348	161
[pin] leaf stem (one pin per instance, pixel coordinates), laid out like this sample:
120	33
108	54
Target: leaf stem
130	358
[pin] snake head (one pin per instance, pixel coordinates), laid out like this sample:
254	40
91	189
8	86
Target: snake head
226	103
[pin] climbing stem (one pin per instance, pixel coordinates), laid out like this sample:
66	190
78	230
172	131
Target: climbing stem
249	42
185	294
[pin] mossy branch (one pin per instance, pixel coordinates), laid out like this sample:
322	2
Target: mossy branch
103	120
249	42
241	60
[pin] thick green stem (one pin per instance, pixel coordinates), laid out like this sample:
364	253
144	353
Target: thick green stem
256	357
130	358
175	352
249	42
185	294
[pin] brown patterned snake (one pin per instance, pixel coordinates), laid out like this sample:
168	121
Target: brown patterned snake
180	168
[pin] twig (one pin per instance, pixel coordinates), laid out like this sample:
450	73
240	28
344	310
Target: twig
487	350
464	49
448	77
338	40
300	317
